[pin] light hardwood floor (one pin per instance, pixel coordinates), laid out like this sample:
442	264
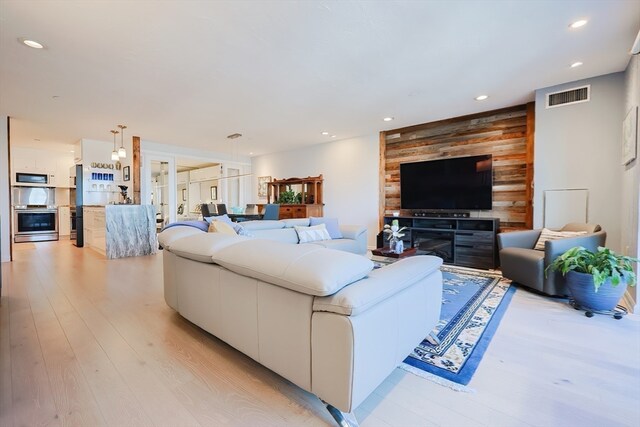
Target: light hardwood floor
90	342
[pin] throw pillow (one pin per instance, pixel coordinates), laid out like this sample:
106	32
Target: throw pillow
312	234
240	230
222	227
224	218
547	234
331	223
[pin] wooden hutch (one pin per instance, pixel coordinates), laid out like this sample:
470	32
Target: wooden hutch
310	189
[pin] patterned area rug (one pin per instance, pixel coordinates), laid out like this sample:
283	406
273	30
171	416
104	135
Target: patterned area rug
473	303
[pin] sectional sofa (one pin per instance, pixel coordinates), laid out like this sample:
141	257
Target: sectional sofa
322	318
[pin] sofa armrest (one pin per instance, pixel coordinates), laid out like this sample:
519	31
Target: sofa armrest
353	354
353	231
555	248
518	239
357	233
379	285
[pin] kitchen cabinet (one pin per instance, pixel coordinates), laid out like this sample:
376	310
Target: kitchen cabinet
64	221
52	163
95	229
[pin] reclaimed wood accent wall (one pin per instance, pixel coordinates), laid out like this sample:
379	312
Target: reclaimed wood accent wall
507	134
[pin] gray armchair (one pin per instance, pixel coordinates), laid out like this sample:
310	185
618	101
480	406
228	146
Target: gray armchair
526	266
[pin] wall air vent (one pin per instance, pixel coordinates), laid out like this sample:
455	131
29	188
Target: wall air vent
569	96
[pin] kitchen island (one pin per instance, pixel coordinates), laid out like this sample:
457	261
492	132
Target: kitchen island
119	231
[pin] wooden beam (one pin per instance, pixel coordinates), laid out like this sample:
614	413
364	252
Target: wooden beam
136	170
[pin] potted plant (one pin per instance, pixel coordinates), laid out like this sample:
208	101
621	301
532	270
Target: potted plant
395	234
596	280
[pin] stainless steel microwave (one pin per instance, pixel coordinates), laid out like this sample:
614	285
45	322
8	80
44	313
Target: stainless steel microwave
32	178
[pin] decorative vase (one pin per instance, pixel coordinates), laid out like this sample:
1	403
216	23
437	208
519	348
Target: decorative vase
584	294
399	247
393	243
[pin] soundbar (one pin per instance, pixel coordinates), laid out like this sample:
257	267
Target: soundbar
441	214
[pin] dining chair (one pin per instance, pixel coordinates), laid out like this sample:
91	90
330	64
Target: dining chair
208	209
222	208
271	211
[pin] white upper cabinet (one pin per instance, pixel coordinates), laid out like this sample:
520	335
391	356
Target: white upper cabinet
53	163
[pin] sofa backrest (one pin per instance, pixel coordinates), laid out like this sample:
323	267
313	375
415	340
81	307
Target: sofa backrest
286	235
581	226
309	269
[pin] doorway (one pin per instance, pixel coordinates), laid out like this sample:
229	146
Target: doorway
158	178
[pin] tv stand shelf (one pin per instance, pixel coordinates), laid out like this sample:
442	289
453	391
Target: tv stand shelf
468	242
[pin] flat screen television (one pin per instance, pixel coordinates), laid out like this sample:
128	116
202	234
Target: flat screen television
456	183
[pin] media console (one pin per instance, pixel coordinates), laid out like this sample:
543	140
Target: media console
468	242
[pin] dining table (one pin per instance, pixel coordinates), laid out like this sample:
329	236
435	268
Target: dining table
240	217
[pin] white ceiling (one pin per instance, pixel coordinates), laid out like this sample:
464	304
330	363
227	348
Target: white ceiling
280	72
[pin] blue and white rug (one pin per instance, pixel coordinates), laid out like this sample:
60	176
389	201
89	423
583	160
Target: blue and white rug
473	303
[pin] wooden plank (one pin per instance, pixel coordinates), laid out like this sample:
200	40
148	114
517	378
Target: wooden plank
6	389
475	118
33	403
531	122
72	395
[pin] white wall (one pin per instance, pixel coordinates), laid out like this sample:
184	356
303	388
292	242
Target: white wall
631	176
579	146
350	170
5	210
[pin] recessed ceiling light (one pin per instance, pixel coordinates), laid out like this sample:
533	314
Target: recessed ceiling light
579	23
325	133
333	136
576	64
481	97
72	151
32	43
250	153
388	119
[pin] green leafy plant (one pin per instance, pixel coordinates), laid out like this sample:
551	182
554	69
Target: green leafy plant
288	197
602	265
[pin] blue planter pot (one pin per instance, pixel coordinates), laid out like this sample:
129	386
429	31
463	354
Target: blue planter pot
583	292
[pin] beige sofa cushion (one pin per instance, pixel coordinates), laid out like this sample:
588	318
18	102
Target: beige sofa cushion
286	235
203	246
260	224
309	269
378	286
170	235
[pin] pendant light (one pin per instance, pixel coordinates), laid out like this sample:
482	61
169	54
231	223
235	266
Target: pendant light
122	153
114	153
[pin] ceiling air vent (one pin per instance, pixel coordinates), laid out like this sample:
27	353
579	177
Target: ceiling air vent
568	97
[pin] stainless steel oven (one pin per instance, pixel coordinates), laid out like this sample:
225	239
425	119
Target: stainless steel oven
35	224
